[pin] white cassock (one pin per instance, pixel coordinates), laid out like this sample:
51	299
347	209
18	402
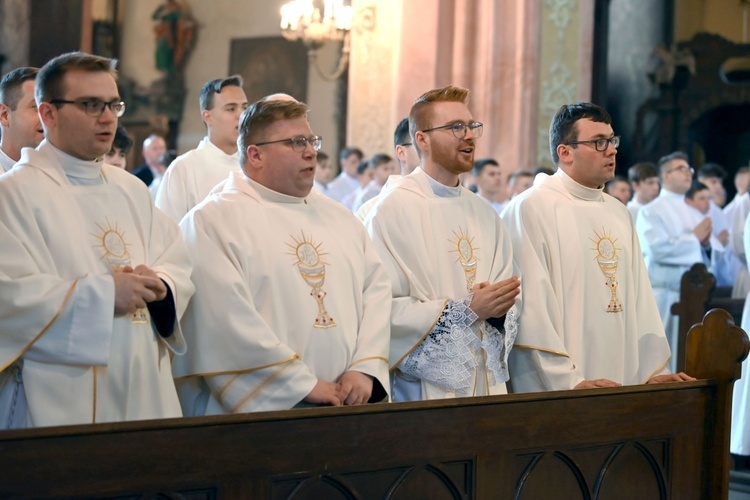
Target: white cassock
191	176
364	210
736	213
739	443
717	258
588	311
289	291
634	207
342	186
435	248
71	223
370	191
665	228
6	162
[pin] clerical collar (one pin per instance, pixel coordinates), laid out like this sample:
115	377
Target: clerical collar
6	162
441	190
77	170
206	143
271	195
666	193
578	190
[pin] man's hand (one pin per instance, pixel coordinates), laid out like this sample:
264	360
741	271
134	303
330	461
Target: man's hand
595	384
703	231
324	393
723	237
493	301
158	286
670	377
355	388
133	291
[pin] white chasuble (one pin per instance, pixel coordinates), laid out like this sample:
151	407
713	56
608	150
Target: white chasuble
79	362
588	311
289	291
435	249
192	176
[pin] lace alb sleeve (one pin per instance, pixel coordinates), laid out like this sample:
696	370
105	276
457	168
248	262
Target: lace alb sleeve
446	356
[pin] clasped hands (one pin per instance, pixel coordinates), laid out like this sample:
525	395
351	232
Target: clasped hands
134	288
352	388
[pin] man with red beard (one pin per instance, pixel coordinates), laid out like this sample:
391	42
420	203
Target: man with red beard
589	318
450	263
19	120
93	278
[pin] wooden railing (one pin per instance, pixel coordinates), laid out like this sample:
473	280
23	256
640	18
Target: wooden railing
644	442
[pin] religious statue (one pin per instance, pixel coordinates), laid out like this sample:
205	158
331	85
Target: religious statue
175	32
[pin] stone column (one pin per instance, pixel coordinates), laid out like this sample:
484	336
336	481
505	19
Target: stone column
14	33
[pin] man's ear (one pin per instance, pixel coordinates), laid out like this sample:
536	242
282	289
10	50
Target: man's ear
206	115
564	153
420	139
4	114
254	156
47	113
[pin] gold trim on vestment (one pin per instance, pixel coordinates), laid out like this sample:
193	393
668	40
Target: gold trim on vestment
543	349
369	359
226	385
658	370
260	388
432	327
246	370
93	416
47	327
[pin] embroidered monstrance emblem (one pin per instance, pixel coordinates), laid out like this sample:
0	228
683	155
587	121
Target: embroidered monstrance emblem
608	260
313	270
464	247
111	240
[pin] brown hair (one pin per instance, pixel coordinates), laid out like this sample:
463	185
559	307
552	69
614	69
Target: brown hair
262	114
49	81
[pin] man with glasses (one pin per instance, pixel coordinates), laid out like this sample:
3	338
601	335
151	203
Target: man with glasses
450	263
93	278
672	241
19	120
292	302
192	176
589	318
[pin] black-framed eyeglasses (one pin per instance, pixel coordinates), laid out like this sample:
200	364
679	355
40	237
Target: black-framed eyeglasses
459	129
599	144
682	168
299	142
405	144
94	107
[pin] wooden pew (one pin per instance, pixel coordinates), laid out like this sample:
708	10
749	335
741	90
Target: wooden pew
699	294
658	441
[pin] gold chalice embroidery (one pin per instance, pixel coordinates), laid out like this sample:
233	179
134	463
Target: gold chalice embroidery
313	270
608	260
112	242
466	256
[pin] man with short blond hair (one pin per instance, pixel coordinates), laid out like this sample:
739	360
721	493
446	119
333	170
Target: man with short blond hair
450	263
308	296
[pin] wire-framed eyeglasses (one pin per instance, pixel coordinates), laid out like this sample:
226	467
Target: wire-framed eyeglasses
459	129
599	144
94	107
299	142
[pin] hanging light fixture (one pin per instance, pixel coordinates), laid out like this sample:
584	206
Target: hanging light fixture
301	20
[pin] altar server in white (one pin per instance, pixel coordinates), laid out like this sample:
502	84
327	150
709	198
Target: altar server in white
450	263
589	318
92	275
190	178
292	303
672	241
19	121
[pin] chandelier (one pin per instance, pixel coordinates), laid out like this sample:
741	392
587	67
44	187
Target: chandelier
301	20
